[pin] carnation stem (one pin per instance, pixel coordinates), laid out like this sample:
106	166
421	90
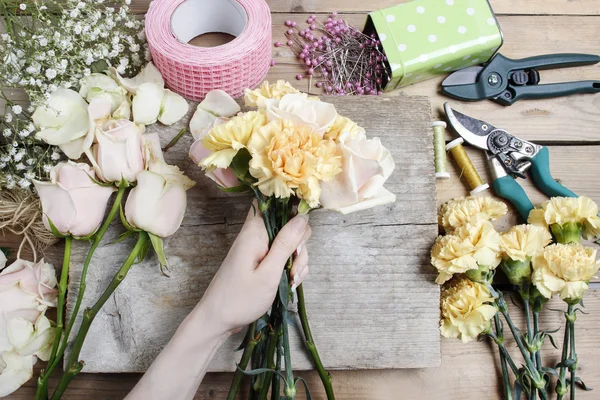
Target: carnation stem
573	356
74	365
248	350
561	387
536	331
174	141
499	340
42	392
527	310
312	347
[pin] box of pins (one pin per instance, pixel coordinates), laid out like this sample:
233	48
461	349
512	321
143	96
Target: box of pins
425	38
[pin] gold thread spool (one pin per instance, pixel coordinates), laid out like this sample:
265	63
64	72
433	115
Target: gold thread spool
439	148
466	166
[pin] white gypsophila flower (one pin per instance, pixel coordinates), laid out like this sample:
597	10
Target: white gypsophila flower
7	132
8	118
43	41
81	5
19	156
17	109
74	13
47	168
30	127
55	156
29	175
20	166
23	6
2	165
51	73
23	134
52	87
24	183
42	8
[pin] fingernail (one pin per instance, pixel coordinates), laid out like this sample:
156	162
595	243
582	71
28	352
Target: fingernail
300	247
300	222
294	284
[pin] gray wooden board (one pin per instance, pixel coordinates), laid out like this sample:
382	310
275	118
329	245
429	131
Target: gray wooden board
370	295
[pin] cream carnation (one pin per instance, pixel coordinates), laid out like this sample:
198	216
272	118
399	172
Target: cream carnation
289	159
522	242
564	269
471	246
465	309
343	125
461	211
565	216
257	97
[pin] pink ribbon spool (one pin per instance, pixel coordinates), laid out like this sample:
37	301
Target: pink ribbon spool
194	71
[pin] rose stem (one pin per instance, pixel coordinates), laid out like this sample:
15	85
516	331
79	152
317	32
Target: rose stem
561	387
74	366
270	355
312	347
174	141
53	363
499	340
239	375
538	381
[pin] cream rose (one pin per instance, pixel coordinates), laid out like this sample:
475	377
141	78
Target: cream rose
564	269
26	291
103	86
118	153
470	247
148	74
72	200
311	113
157	204
152	102
367	165
466	309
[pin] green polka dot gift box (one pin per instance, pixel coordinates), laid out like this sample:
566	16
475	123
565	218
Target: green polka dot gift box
425	38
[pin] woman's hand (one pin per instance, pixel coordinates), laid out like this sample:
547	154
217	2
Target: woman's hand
246	284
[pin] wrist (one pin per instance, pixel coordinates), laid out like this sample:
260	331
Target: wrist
204	321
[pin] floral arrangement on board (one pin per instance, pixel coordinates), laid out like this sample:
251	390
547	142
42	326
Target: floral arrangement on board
294	153
541	259
78	144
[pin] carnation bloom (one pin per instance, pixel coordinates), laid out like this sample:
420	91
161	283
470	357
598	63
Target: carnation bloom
465	309
225	140
257	97
568	218
468	248
288	158
343	125
565	269
464	210
522	242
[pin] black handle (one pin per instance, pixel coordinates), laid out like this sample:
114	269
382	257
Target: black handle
547	61
514	93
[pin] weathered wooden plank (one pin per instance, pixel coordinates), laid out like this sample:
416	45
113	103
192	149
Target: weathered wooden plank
468	372
370	295
548	7
566	119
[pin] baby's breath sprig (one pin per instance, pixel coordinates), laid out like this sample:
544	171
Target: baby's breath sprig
52	44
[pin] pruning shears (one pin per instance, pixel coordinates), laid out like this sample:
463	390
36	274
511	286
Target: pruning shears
505	81
509	157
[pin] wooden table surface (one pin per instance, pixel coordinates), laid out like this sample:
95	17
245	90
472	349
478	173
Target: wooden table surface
569	126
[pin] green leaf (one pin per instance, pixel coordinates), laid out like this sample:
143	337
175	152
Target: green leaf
99	66
566	363
124	220
143	252
259	371
123	236
55	230
236	189
552	341
303	207
582	384
157	244
517	391
97	182
550	371
261	323
240	164
284	289
300	379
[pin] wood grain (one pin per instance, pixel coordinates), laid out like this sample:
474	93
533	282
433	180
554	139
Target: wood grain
369	270
541	7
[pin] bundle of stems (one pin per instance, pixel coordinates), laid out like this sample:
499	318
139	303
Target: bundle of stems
267	340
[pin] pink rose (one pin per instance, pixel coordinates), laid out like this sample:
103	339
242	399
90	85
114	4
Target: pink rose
366	167
26	291
72	200
118	152
157	204
224	177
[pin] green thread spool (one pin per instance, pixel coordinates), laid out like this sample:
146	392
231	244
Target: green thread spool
467	168
439	148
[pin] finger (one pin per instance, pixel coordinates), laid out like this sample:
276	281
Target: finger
284	245
299	263
305	238
300	278
253	240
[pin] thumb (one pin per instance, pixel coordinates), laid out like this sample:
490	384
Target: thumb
284	245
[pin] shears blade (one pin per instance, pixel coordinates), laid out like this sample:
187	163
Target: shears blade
472	130
463	84
465	76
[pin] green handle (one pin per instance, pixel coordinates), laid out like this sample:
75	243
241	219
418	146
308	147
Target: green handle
509	189
540	172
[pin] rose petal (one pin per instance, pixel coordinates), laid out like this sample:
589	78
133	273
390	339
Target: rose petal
123	111
173	109
219	103
148	74
18	370
147	103
201	120
56	205
383	197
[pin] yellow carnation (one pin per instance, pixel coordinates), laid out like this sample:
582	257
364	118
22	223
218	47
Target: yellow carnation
469	247
341	125
257	97
288	159
465	309
565	269
522	242
227	139
461	211
567	217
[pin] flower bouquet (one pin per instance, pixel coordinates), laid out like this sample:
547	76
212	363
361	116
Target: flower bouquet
541	260
295	154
